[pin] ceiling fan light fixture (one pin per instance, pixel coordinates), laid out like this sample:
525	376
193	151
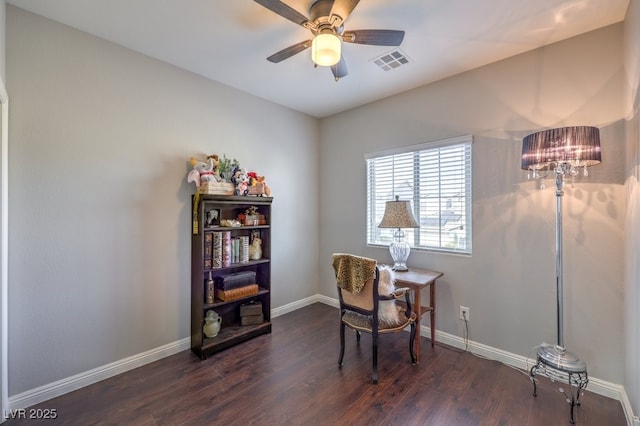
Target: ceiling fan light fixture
326	49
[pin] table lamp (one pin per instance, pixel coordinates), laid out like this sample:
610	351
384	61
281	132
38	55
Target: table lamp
397	214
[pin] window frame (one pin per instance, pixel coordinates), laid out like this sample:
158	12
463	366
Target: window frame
418	238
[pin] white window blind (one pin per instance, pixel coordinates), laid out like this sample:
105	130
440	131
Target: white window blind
436	178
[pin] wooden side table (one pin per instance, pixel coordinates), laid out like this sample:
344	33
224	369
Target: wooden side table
417	279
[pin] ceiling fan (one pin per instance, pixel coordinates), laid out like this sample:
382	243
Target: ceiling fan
326	19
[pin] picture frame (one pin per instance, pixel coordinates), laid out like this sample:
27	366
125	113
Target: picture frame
212	218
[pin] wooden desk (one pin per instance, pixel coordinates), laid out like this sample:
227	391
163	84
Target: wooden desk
417	279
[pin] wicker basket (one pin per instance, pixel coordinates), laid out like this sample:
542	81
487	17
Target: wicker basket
217	188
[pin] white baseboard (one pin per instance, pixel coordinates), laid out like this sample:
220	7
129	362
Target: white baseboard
61	387
290	307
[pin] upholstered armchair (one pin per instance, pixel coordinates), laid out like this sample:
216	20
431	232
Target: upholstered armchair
368	303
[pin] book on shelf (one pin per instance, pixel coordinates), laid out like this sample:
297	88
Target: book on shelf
236	250
217	250
244	249
240	249
221	250
208	250
227	251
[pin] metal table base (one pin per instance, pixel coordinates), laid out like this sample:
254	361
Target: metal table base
577	381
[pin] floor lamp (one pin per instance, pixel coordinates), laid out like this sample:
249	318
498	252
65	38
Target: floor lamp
563	152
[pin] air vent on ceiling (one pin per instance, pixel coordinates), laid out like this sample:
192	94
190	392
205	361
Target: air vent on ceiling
391	60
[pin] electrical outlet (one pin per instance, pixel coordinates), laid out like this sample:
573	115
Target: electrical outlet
464	313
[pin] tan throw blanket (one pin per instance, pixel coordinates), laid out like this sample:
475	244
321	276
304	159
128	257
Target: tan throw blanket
353	272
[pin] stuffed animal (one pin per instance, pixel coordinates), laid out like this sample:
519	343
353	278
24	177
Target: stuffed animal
215	160
266	189
241	182
388	311
202	172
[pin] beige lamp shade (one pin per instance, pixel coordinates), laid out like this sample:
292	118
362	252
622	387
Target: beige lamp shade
397	214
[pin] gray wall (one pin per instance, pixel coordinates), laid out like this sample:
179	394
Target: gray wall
509	281
100	207
632	228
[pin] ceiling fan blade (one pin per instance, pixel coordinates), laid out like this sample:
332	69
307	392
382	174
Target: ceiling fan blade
341	10
289	51
340	70
374	37
284	10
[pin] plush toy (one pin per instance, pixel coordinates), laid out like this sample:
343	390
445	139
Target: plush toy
265	187
215	160
241	182
203	172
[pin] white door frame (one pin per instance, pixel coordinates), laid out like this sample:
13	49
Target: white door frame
4	251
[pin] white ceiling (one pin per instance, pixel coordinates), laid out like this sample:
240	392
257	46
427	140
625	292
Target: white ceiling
228	40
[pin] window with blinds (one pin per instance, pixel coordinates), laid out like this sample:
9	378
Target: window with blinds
436	178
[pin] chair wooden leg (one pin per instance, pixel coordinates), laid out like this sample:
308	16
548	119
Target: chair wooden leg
375	359
341	345
412	339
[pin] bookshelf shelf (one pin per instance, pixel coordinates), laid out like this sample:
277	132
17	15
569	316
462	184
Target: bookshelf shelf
221	252
235	228
238	265
234	334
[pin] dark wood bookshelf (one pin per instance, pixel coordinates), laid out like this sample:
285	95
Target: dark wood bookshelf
231	332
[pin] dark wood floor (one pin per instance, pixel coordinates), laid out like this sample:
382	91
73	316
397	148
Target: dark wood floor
290	377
